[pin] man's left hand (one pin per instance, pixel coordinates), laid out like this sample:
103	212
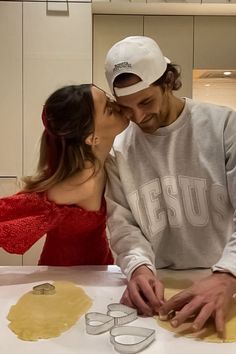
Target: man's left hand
209	297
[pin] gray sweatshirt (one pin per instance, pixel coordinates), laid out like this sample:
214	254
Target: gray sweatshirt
171	195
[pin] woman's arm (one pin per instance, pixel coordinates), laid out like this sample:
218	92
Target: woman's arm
25	218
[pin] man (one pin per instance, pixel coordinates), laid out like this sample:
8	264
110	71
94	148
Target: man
172	187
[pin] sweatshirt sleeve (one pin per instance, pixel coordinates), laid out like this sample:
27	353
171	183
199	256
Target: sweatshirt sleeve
131	247
227	262
25	218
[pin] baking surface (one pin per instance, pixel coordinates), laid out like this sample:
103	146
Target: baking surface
104	285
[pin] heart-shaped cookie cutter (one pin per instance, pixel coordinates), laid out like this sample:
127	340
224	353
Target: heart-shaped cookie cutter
97	323
147	334
44	289
118	315
128	314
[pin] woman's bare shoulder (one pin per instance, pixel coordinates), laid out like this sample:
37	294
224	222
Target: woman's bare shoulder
82	186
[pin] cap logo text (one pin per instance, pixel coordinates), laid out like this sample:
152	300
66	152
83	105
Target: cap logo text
123	65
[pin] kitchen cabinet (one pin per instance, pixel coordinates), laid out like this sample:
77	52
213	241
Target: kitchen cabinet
215	42
44	46
10	89
108	29
57	51
174	34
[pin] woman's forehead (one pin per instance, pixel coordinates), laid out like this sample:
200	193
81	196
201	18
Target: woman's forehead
100	95
99	99
107	94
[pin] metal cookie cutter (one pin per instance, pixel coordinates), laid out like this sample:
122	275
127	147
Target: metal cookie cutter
44	289
97	323
167	317
117	314
122	314
147	334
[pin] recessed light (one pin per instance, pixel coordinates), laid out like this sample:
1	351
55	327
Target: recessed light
207	85
227	73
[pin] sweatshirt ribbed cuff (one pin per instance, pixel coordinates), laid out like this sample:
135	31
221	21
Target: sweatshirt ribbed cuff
149	266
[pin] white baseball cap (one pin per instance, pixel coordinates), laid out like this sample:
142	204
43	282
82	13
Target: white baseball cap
137	55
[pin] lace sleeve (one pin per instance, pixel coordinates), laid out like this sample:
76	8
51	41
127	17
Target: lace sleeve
25	218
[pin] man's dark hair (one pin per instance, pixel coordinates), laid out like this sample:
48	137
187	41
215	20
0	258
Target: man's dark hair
170	78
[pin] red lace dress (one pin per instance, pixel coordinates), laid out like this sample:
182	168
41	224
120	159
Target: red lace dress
74	236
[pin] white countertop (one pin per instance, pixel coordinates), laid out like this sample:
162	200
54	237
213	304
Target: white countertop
104	285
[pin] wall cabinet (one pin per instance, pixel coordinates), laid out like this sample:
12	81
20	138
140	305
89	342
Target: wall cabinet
108	29
11	89
57	51
44	46
215	42
174	34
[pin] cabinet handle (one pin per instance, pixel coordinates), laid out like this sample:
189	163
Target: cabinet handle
57	8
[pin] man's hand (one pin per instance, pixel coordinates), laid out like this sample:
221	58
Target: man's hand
209	297
144	292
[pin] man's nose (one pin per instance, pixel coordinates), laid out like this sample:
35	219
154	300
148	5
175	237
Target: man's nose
136	115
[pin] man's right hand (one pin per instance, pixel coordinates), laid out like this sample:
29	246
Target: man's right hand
144	292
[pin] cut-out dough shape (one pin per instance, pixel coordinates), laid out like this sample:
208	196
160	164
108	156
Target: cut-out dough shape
208	333
45	316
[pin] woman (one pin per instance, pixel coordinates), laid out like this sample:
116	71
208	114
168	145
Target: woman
65	198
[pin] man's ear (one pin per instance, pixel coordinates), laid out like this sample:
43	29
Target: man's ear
170	80
92	140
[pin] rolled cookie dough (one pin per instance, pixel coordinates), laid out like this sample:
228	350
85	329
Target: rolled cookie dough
46	316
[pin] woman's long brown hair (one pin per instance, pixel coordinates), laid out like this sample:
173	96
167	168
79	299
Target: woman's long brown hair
68	117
